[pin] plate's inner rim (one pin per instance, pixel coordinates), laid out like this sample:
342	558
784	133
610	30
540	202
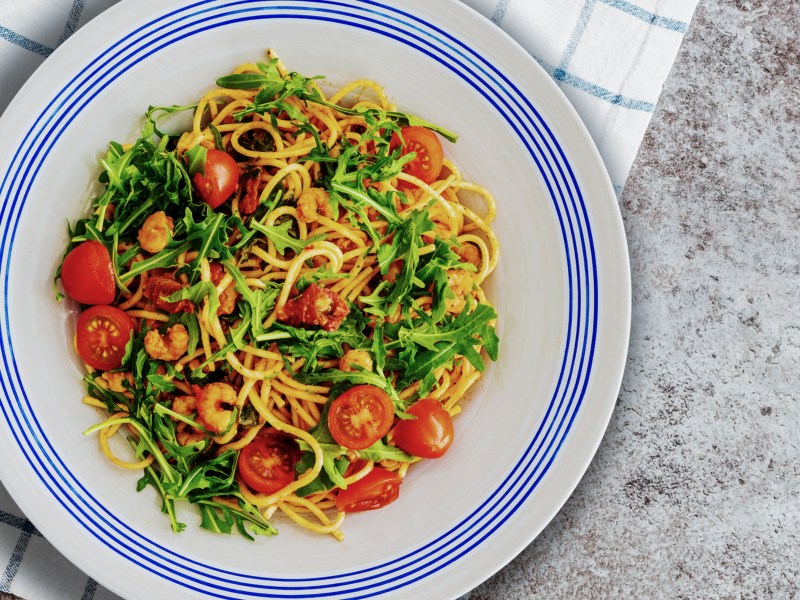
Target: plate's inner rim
512	497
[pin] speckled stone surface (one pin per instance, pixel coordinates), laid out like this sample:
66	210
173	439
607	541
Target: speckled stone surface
695	491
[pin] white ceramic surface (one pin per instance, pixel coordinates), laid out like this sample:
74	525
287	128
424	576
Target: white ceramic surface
562	291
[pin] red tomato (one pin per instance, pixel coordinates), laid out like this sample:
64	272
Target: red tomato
220	179
102	333
430	434
87	274
266	464
379	488
428	163
360	417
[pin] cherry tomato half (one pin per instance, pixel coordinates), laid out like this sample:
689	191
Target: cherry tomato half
430	434
218	183
360	417
266	464
87	274
379	488
427	165
101	336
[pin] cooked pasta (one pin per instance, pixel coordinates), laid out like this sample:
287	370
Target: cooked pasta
283	305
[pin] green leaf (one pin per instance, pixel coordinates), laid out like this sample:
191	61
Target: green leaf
208	237
269	82
196	158
441	344
380	451
221	518
388	212
334	464
260	302
154	112
163	260
312	344
196	293
279	234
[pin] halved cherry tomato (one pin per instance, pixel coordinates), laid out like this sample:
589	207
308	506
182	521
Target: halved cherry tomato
360	417
101	335
377	489
87	274
427	165
266	464
218	183
430	434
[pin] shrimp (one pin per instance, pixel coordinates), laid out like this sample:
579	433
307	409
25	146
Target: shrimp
215	404
155	232
116	379
360	358
461	283
184	405
469	253
312	203
170	346
186	434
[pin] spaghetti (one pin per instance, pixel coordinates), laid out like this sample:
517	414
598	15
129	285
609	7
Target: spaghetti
283	304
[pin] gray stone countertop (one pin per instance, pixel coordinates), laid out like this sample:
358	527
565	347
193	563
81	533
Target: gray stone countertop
695	490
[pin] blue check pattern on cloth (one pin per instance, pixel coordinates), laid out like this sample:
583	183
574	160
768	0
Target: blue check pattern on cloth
609	57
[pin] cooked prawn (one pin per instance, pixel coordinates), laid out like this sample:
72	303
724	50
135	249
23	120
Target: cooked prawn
170	346
186	434
312	203
215	404
360	358
116	379
155	233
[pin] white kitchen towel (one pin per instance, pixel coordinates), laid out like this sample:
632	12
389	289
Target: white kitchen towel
610	57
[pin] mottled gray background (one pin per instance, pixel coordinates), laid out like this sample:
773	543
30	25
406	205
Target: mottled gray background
694	491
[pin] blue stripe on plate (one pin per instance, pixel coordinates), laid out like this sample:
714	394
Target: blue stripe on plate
560	181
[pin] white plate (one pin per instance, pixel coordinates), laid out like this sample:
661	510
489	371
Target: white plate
562	291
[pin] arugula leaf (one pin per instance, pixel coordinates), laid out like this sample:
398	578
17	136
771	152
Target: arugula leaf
273	89
269	80
279	234
165	259
196	158
321	274
334	464
208	237
260	302
153	112
457	336
220	517
312	344
367	199
196	293
139	180
380	451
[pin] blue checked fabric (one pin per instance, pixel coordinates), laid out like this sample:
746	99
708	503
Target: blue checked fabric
610	58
